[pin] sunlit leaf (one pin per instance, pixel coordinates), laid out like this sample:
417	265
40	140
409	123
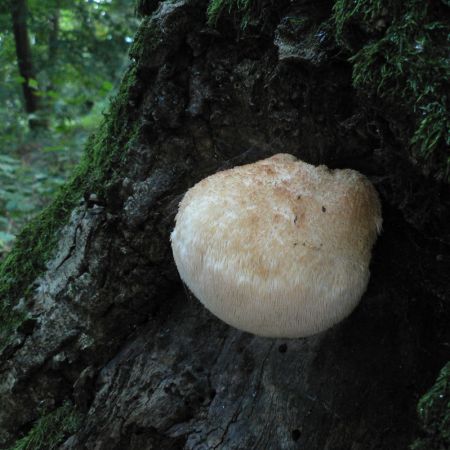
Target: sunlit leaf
32	83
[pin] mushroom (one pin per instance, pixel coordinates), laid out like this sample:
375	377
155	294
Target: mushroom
278	248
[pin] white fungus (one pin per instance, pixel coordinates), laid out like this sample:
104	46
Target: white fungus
278	248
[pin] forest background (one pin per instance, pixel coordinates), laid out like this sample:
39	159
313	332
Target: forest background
60	61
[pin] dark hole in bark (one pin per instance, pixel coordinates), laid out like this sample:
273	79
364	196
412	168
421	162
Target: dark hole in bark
282	348
296	435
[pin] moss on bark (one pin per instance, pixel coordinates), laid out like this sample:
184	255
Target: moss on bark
147	40
50	430
399	55
434	413
217	7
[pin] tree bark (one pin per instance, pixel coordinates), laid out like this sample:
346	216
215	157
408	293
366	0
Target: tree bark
19	13
53	36
112	328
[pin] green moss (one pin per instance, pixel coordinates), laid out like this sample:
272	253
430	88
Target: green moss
403	61
148	38
217	7
434	413
146	7
37	241
50	430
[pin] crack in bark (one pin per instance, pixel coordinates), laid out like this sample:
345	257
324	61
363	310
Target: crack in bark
73	246
260	375
233	420
264	428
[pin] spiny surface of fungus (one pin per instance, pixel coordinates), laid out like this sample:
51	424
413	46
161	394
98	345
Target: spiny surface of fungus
278	248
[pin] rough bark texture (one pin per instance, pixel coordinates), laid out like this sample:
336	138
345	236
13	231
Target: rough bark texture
147	367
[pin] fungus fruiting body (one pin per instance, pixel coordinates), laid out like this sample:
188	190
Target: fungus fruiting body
278	248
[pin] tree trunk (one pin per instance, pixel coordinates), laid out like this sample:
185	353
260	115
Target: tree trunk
53	36
19	12
110	327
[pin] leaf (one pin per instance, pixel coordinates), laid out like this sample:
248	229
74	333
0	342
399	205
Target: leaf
106	86
6	238
9	160
19	79
6	168
53	148
32	83
18	204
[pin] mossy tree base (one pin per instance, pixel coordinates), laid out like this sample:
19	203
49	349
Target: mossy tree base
94	310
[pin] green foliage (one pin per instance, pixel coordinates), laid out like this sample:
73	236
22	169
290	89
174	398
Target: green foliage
28	181
96	172
403	60
77	46
217	7
78	50
50	430
434	413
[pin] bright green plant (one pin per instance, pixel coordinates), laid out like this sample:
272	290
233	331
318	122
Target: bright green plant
50	430
217	7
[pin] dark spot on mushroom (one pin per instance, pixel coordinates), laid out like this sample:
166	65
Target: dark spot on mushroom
299	197
324	209
295	219
282	348
295	244
296	435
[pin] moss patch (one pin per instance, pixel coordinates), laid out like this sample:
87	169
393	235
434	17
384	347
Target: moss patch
399	54
434	413
217	7
50	430
36	243
148	38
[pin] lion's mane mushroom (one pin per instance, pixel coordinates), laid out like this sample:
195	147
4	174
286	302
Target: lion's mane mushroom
278	248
